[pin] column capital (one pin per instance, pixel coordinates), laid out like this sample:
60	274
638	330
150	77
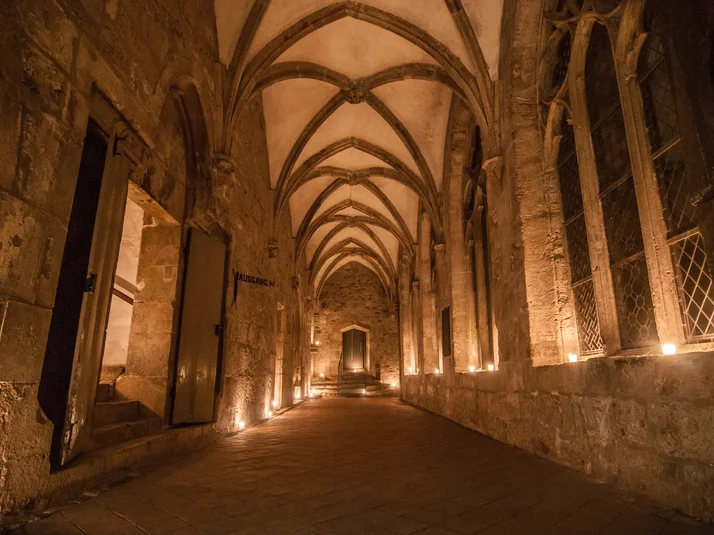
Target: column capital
223	164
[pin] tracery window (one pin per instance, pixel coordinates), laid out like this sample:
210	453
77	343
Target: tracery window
633	297
677	185
594	127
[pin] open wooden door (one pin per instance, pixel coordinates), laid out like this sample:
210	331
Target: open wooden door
106	239
199	338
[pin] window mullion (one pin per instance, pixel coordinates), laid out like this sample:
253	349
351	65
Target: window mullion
594	218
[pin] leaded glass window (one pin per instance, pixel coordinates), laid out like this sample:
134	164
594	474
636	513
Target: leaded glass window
633	298
577	239
677	186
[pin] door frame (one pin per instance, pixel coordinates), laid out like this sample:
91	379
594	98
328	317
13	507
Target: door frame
126	153
366	330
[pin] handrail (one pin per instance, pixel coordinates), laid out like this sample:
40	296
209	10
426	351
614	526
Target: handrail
339	373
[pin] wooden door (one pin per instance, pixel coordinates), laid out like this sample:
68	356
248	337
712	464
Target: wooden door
199	338
94	314
353	349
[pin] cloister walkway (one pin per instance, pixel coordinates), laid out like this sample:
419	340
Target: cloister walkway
362	466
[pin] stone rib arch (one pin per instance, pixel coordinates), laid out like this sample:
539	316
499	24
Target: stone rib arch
479	98
383	110
349	203
318	259
342	246
346	225
389	287
331	216
301	175
291	70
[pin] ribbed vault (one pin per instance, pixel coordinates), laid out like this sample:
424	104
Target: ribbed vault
356	98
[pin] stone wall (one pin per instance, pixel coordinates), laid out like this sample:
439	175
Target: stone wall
354	295
643	424
140	55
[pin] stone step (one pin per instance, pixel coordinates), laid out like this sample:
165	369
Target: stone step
115	412
112	434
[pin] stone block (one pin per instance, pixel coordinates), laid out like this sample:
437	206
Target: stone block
29	244
49	26
149	354
23	335
24	430
48	163
10	128
43	78
153	317
156	283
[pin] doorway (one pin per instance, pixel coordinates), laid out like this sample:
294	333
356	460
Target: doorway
126	290
354	346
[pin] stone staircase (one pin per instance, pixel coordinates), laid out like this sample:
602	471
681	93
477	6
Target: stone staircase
353	384
118	420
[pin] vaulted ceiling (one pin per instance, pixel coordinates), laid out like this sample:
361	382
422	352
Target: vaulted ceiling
356	99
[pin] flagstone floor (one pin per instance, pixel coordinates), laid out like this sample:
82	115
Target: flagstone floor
362	466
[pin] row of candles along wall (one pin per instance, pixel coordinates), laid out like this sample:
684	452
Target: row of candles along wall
667	349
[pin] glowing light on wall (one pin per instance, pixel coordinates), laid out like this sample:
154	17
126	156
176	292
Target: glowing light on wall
491	367
411	370
669	349
472	369
241	425
270	414
275	404
572	357
437	371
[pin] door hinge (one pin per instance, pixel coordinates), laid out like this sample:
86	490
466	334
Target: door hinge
90	285
218	329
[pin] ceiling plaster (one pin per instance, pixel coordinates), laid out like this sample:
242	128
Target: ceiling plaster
288	107
357	49
353	159
230	19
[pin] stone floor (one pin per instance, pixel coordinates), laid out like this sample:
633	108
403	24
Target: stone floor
362	466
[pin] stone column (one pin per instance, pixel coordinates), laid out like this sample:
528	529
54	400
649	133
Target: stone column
417	356
430	354
405	320
464	351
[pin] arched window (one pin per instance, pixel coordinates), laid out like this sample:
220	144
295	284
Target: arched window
628	264
678	184
578	247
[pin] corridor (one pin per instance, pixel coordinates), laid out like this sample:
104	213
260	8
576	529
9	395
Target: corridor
362	466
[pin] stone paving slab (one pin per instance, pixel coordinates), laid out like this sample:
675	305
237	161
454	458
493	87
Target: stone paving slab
363	466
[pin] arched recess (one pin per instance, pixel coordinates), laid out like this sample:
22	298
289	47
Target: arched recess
347	257
200	209
477	89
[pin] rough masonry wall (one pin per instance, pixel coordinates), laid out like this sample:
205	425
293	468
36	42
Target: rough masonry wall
250	339
136	52
354	295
